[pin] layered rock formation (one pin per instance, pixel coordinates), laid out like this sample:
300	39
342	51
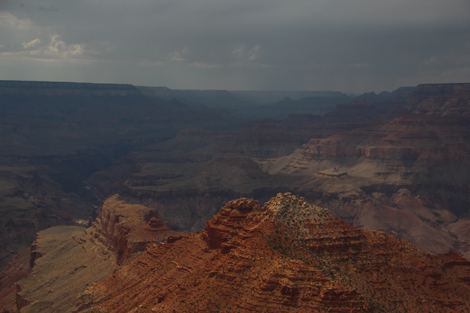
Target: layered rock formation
54	135
406	145
288	256
128	228
191	175
437	134
408	176
15	270
31	201
434	93
64	260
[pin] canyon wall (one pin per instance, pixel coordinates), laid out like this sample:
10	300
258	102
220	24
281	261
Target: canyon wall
64	260
127	228
288	256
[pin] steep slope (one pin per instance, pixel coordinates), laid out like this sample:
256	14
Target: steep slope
54	135
289	256
191	175
31	201
15	270
431	97
64	260
402	150
408	176
437	134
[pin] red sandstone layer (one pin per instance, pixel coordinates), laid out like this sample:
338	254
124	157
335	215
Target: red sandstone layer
128	228
289	256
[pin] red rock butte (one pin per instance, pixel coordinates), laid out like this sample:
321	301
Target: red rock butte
287	256
128	228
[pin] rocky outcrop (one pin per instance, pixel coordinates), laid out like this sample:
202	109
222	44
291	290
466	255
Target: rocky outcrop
54	135
225	225
15	270
196	166
128	228
29	202
288	256
64	260
357	174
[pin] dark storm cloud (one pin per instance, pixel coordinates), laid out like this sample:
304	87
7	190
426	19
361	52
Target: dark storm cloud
356	45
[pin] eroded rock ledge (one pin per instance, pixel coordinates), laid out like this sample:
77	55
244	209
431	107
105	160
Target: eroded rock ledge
288	256
64	260
128	228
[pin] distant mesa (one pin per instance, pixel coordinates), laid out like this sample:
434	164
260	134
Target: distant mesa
440	97
40	88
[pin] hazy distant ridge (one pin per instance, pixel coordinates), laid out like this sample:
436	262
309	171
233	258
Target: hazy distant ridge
38	88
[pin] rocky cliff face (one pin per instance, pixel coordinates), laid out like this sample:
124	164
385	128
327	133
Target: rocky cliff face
53	136
362	175
455	103
432	145
288	256
15	270
64	260
29	202
432	92
191	175
408	144
126	228
408	176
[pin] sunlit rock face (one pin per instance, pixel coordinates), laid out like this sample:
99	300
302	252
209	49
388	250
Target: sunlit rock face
128	228
287	256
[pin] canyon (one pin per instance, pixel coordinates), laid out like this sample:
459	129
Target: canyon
161	163
402	170
287	256
53	136
64	260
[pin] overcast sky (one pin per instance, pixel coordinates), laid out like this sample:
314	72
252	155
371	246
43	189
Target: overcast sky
345	45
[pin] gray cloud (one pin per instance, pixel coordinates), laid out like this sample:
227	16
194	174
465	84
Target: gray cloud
359	45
